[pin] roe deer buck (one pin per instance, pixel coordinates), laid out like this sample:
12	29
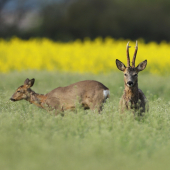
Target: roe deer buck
133	98
89	93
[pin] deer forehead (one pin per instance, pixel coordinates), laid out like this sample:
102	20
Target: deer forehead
130	70
21	88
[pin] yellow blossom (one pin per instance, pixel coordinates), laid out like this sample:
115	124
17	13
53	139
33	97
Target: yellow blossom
96	56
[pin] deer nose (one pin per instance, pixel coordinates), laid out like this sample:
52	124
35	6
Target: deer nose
12	99
130	83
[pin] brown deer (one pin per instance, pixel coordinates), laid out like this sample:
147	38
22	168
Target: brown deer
133	97
89	93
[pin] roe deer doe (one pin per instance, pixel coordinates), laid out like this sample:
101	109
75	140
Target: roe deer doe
89	93
133	97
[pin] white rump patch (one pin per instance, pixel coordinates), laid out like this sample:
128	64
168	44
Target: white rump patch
106	93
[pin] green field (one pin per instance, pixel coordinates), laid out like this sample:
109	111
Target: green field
32	139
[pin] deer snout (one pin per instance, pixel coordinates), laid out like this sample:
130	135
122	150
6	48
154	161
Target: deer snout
12	99
130	83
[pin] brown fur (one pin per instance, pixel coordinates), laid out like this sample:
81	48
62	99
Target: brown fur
88	93
133	98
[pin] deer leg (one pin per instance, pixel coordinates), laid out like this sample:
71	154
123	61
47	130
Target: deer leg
59	111
54	104
97	105
96	102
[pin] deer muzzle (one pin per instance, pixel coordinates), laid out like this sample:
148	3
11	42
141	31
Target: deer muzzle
12	99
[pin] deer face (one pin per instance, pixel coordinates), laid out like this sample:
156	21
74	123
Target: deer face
23	92
130	76
131	72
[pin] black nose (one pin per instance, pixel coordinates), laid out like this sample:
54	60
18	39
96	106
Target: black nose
12	99
130	83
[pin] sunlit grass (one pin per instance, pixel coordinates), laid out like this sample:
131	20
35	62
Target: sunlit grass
31	138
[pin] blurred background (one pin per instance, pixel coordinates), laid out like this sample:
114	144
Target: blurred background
67	20
47	40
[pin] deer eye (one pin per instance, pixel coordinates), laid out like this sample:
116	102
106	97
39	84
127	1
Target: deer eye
125	74
135	75
18	91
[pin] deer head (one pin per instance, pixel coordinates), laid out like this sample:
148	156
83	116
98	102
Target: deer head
131	72
23	92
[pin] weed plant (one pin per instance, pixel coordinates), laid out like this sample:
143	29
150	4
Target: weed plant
33	139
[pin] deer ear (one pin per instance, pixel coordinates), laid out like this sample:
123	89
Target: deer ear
29	83
142	66
32	82
120	65
26	81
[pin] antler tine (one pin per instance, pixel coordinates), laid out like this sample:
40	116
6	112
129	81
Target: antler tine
134	56
128	58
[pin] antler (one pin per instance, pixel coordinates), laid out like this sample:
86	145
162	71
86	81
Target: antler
128	58
134	56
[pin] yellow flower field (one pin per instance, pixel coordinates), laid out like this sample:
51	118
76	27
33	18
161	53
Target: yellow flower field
96	56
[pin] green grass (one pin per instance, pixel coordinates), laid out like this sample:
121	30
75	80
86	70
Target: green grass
32	139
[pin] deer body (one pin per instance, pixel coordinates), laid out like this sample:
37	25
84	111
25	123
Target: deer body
133	97
89	93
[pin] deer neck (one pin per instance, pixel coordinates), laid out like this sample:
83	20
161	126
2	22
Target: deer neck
35	98
131	94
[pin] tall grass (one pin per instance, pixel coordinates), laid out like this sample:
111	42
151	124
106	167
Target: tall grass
31	138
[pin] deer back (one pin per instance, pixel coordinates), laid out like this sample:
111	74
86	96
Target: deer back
80	92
